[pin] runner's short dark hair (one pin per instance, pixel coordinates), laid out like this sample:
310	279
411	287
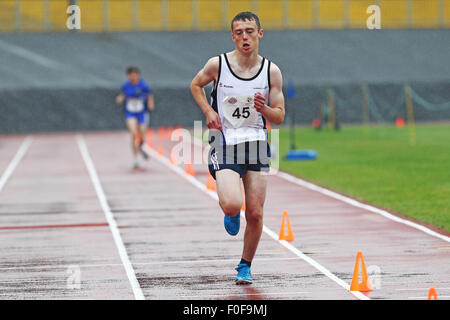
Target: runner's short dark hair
246	15
132	69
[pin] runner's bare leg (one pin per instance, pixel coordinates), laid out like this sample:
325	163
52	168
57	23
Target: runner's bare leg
255	185
229	191
143	131
132	125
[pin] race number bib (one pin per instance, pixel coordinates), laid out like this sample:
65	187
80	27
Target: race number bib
240	111
135	105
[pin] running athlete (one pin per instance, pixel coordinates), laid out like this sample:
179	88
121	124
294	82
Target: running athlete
137	100
247	92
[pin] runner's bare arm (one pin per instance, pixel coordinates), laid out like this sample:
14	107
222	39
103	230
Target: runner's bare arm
209	73
120	98
275	113
150	102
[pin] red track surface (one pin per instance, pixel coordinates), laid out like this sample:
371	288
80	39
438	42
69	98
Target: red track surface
174	237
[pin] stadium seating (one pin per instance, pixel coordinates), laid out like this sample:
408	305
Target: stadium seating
141	15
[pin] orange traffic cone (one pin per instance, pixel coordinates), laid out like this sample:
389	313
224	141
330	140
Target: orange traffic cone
173	157
150	138
432	295
150	132
365	285
161	133
289	236
169	131
150	141
210	183
189	169
160	149
399	122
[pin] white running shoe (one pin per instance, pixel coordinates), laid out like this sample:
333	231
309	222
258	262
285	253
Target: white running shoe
137	162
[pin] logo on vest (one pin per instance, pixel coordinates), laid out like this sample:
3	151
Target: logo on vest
232	100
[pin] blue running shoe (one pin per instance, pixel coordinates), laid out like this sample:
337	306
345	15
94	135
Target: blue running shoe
232	224
244	276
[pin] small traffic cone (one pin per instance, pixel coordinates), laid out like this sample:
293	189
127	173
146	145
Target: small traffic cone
150	138
160	149
432	295
316	123
189	169
289	236
365	285
150	132
399	122
210	183
161	133
169	131
173	158
150	141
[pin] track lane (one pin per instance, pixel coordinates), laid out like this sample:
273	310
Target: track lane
51	186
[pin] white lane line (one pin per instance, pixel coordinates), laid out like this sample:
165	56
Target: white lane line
102	265
15	161
110	218
272	234
29	55
358	204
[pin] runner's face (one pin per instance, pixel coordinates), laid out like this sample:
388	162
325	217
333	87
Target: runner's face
246	36
133	77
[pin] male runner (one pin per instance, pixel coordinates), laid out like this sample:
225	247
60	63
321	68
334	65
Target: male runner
244	85
137	99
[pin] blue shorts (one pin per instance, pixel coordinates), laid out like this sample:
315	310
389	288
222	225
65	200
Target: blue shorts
141	117
242	157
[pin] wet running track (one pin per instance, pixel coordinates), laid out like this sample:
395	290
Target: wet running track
77	222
